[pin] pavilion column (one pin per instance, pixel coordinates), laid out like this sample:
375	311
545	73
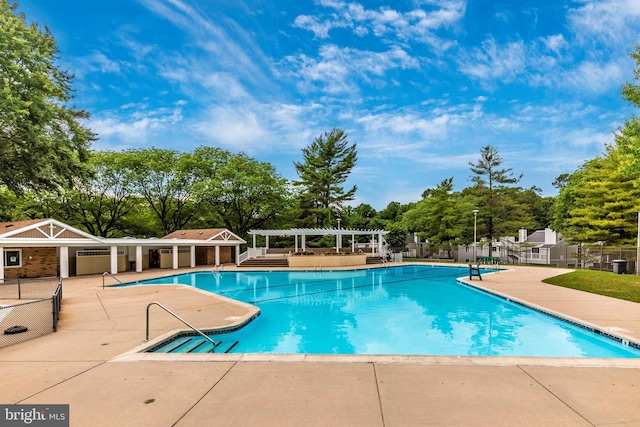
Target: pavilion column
1	263
138	259
64	262
254	241
174	252
304	242
217	255
295	238
193	257
353	243
238	255
380	244
114	259
266	240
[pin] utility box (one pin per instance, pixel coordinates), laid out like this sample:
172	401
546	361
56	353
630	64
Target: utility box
619	266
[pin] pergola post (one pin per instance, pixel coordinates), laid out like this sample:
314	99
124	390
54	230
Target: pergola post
174	252
114	260
138	259
1	263
64	262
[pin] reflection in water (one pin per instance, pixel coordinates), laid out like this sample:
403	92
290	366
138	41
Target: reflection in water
396	310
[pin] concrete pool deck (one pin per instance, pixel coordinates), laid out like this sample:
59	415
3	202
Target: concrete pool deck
88	365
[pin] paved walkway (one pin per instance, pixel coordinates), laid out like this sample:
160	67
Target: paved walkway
89	365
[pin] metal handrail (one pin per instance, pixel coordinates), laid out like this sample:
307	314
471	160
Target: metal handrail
106	273
213	343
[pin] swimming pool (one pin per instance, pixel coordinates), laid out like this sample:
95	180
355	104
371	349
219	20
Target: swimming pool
397	310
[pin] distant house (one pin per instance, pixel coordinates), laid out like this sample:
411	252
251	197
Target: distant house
48	247
545	247
541	247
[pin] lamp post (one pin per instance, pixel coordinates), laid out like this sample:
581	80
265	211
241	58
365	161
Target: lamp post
475	223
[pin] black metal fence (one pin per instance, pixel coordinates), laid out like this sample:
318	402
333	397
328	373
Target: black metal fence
607	258
619	259
29	308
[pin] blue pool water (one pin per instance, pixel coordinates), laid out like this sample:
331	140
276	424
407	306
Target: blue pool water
396	310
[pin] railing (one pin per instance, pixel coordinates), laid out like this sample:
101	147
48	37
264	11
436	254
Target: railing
27	320
28	288
213	343
56	303
252	253
106	273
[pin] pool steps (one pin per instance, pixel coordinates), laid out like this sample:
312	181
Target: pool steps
192	344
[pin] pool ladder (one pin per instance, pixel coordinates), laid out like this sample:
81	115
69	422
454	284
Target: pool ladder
213	343
106	273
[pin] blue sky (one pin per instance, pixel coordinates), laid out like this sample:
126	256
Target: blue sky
419	86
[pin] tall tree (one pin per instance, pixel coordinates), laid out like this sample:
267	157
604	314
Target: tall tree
100	203
165	180
245	193
439	216
43	144
491	182
628	139
598	203
328	161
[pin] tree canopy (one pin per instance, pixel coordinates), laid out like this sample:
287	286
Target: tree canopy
43	143
628	139
328	161
599	204
244	192
491	185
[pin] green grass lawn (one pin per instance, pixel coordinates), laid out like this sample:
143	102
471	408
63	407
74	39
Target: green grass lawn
621	286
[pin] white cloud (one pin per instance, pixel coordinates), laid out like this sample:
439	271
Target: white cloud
419	23
596	77
492	61
96	62
606	21
556	43
138	128
338	69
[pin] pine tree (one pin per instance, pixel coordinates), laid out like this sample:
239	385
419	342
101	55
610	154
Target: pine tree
328	161
491	184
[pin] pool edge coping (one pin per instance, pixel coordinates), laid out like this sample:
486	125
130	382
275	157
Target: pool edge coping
140	352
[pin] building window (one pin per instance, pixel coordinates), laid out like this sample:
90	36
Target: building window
13	258
535	250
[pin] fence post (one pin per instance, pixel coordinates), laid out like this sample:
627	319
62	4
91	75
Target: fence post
19	293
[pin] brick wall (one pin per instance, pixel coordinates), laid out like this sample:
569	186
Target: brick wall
207	255
36	262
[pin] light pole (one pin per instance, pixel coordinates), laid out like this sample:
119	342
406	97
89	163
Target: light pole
475	223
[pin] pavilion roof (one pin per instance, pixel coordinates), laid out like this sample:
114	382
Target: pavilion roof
317	232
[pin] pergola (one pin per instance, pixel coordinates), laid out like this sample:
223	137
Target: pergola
338	232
